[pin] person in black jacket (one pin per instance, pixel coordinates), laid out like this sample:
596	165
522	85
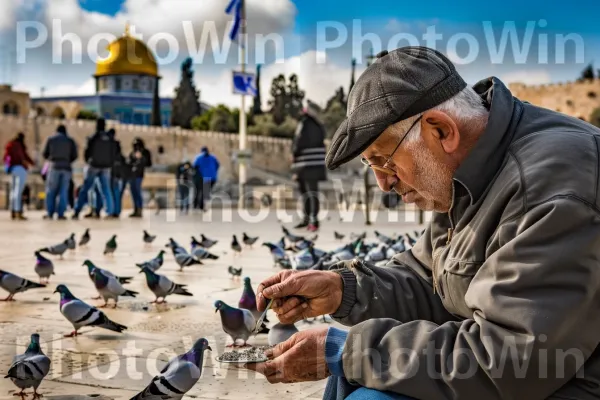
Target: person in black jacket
185	185
139	159
308	166
118	174
99	155
60	151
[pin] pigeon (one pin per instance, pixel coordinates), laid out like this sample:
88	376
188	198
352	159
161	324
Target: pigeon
186	260
14	284
411	239
148	238
279	333
81	314
399	246
277	252
29	369
344	254
249	241
301	245
91	266
305	259
236	322
235	245
43	267
200	252
57	249
85	238
206	242
248	300
110	288
338	236
177	377
377	254
383	238
175	247
162	286
355	236
290	236
155	263
234	272
71	244
111	245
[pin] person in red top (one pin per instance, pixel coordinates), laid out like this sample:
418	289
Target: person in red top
16	163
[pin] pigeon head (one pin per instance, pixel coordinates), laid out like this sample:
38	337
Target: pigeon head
195	242
219	306
247	281
64	291
161	253
201	345
72	236
2	273
34	345
87	263
269	245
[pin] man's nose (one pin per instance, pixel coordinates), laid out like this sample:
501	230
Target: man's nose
386	182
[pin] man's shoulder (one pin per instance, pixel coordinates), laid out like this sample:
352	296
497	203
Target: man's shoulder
557	155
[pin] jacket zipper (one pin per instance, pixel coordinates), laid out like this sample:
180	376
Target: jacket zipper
439	252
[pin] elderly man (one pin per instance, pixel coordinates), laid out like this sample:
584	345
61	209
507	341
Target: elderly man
499	299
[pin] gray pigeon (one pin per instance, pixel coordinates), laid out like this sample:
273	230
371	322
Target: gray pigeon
43	267
200	253
155	263
29	369
71	244
177	377
280	333
234	272
186	260
206	242
109	287
236	322
175	247
85	238
56	250
148	238
235	246
81	314
249	240
111	245
14	284
162	286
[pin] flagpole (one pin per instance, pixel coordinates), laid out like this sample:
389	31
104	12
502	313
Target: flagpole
243	124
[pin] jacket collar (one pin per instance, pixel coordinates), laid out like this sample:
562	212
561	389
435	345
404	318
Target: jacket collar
485	159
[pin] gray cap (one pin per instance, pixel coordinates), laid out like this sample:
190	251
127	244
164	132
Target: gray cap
399	85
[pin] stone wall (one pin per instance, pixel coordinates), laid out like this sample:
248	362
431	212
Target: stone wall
270	154
577	99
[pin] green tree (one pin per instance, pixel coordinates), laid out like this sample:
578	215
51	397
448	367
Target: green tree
595	117
186	104
587	74
286	98
257	106
295	97
264	125
333	117
87	114
218	119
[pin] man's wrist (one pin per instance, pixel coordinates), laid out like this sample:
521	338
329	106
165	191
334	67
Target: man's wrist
334	349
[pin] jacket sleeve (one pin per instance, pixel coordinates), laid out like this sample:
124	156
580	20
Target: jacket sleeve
73	155
297	143
402	290
46	152
87	154
148	158
535	318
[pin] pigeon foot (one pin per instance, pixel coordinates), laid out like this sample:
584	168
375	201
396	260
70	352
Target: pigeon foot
72	334
37	395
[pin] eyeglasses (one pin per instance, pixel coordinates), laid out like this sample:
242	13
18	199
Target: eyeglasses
383	168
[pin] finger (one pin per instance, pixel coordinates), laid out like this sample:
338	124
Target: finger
288	287
282	307
302	311
281	348
261	302
267	368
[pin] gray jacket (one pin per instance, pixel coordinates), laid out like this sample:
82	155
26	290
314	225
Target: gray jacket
515	313
61	151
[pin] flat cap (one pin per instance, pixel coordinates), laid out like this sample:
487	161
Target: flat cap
398	85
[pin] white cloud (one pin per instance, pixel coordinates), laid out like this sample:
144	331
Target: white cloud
8	9
86	88
529	77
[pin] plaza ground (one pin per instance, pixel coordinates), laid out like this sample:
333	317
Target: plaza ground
104	365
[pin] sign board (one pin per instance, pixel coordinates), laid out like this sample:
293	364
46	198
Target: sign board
244	83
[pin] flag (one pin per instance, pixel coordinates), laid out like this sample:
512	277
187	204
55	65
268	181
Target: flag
244	83
235	6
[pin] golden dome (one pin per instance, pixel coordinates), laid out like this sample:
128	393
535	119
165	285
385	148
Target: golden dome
128	56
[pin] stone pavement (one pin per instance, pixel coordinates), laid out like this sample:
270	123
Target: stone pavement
100	364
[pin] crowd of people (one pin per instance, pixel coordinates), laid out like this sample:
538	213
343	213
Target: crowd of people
107	174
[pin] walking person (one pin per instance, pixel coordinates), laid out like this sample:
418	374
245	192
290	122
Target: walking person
60	152
17	162
185	185
118	175
308	150
207	171
99	155
139	159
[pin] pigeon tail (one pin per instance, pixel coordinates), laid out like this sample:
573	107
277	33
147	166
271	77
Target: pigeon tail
33	285
124	279
130	293
212	257
112	326
181	290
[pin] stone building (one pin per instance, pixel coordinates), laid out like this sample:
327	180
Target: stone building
14	103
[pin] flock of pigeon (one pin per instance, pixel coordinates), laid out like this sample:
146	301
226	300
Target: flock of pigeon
181	373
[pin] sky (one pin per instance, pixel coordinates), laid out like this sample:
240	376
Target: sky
531	42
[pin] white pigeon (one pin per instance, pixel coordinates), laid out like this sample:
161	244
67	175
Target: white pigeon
162	286
81	314
178	377
29	369
14	284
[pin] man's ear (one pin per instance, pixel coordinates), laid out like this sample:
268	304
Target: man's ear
438	126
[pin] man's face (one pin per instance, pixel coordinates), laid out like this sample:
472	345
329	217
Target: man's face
423	168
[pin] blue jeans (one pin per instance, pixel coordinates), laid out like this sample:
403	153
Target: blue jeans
102	175
135	185
19	178
117	188
340	389
57	185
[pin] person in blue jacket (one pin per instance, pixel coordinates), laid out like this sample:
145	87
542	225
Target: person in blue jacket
207	171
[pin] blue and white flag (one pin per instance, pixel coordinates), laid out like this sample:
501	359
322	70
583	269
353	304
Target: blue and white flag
244	83
235	6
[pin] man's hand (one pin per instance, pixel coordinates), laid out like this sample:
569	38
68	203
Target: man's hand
299	359
301	295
